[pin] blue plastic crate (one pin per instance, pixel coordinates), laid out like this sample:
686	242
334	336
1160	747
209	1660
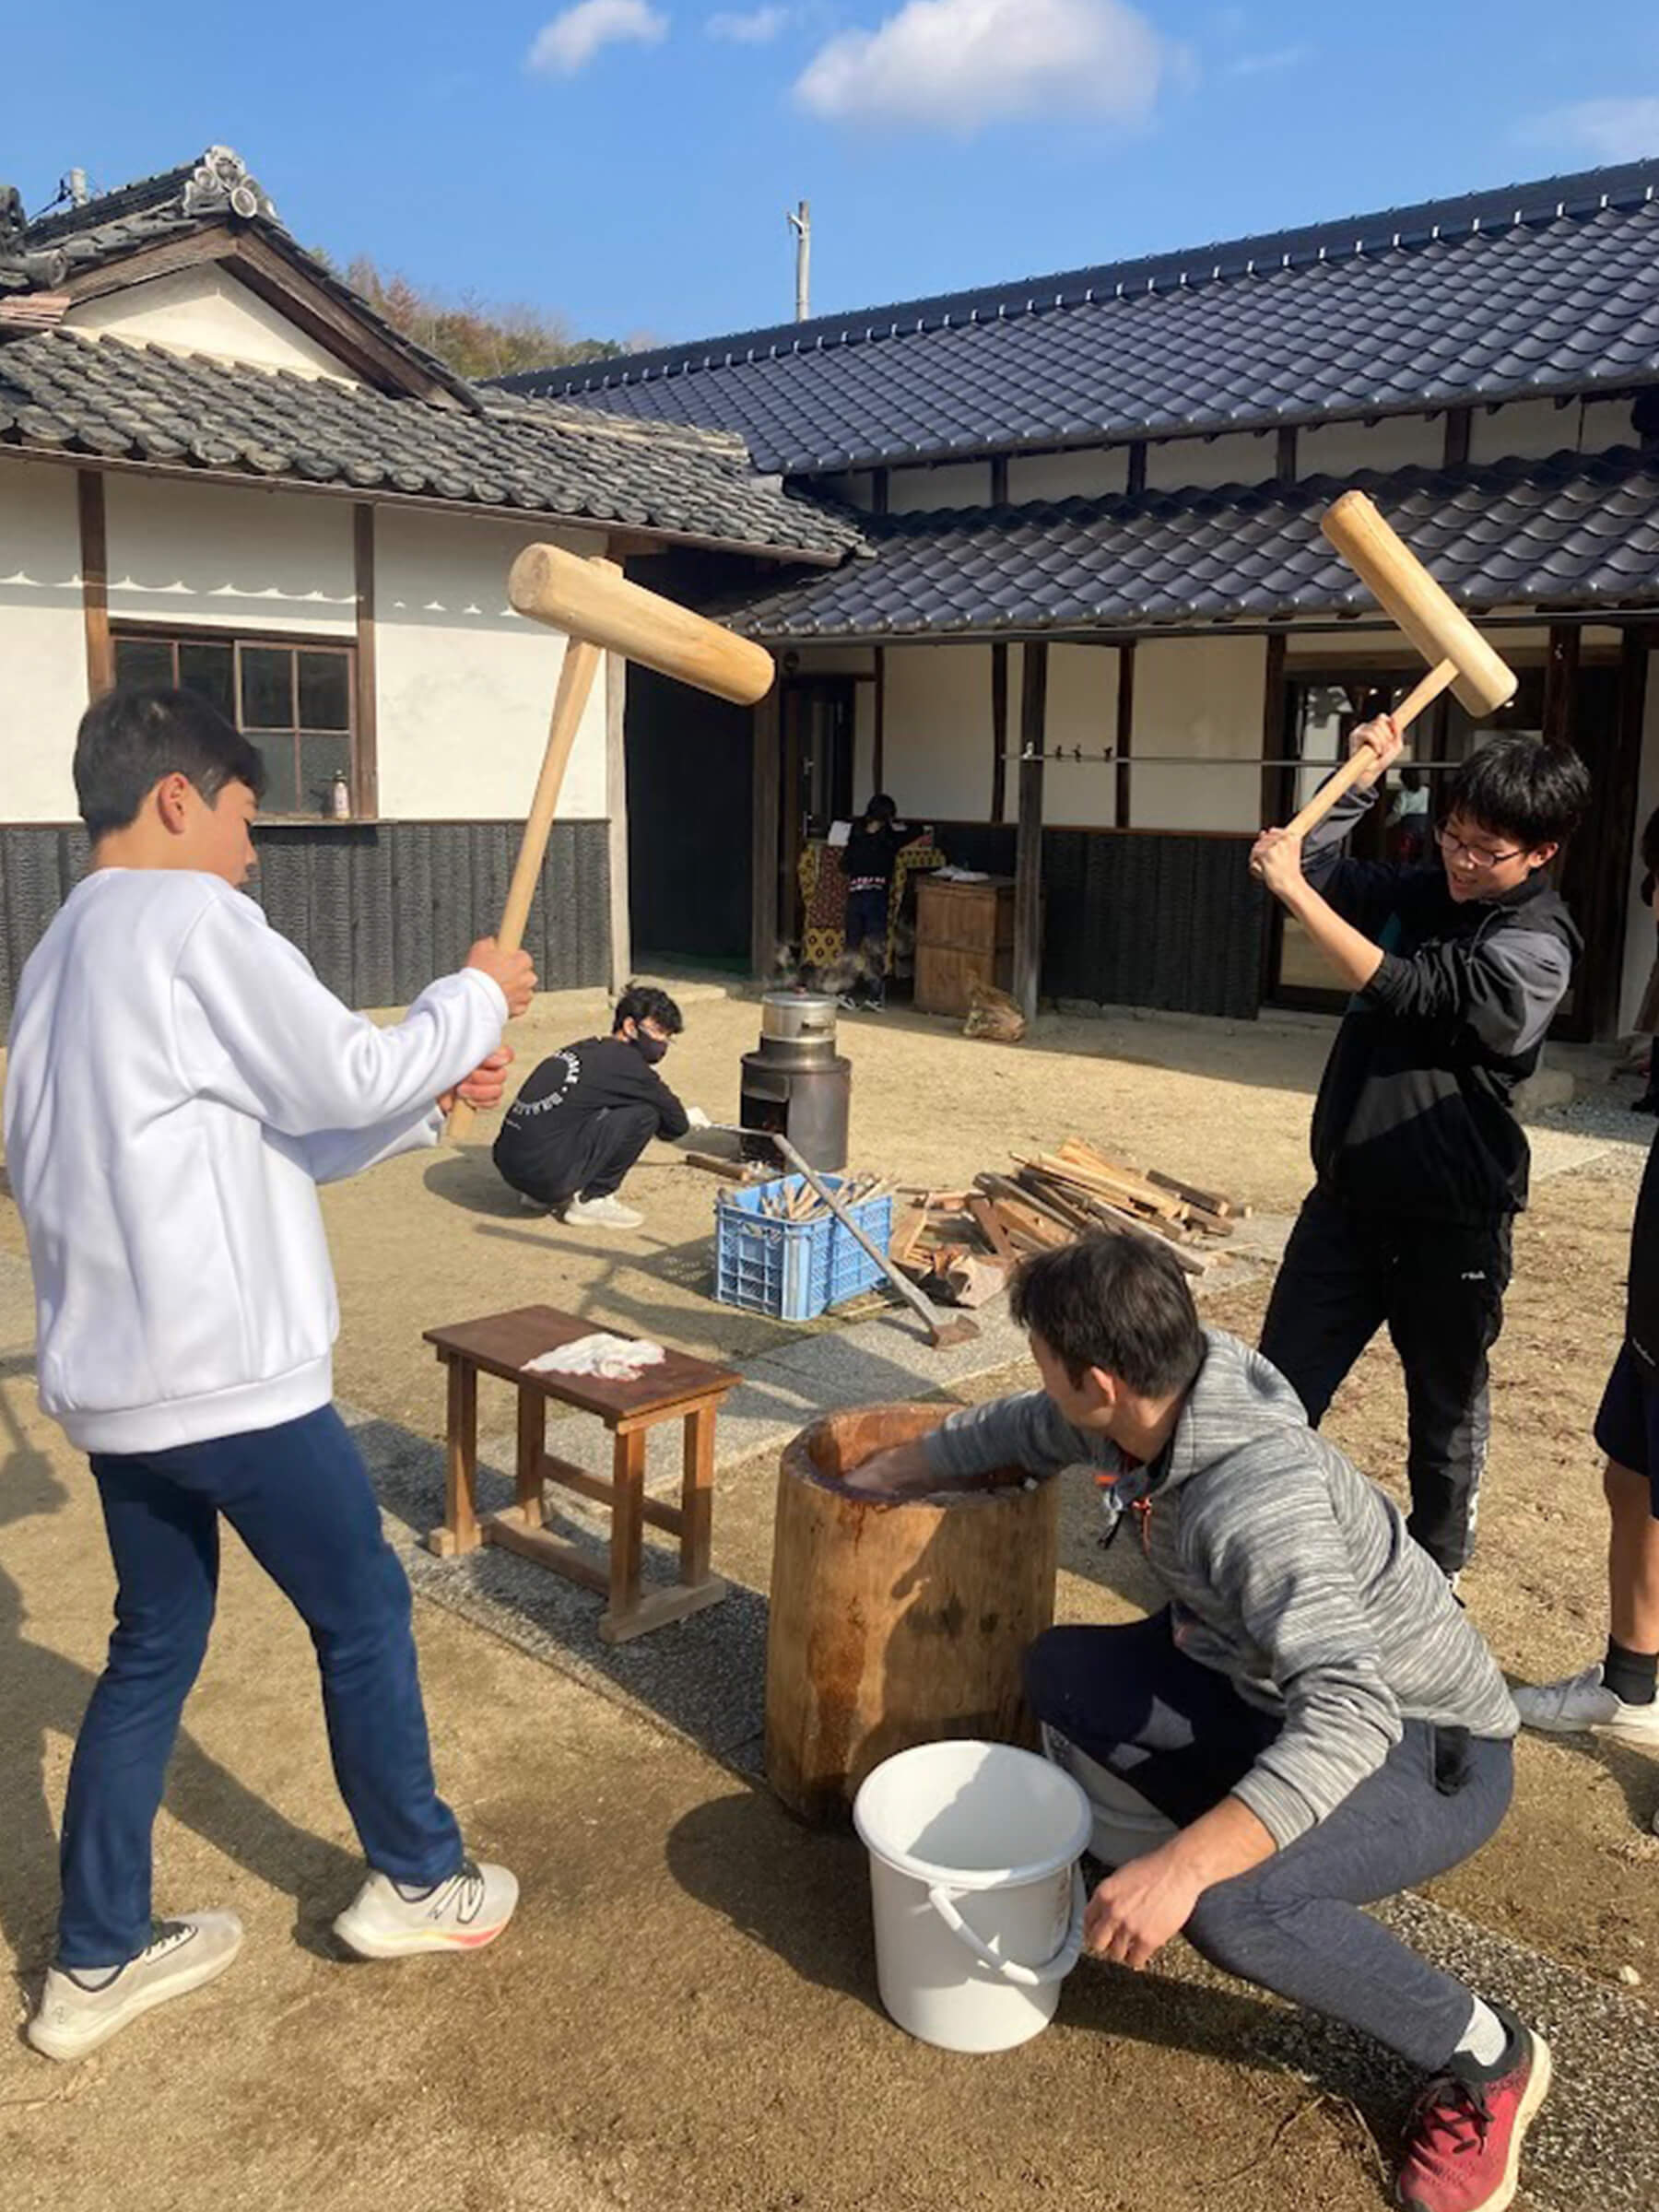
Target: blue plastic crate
792	1270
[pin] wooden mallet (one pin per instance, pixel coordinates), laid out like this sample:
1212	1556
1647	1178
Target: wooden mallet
600	612
1460	659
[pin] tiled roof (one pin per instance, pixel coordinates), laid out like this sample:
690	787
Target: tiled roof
64	392
1570	531
1533	289
215	192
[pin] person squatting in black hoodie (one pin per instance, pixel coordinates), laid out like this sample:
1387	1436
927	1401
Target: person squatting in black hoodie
585	1116
1458	969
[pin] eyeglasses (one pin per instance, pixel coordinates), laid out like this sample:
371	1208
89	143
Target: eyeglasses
1478	856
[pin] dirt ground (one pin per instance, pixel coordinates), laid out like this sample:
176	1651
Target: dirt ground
685	2014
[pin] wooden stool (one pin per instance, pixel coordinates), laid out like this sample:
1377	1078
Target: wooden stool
679	1388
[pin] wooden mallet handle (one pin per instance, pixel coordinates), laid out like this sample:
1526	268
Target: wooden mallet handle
1437	679
569	702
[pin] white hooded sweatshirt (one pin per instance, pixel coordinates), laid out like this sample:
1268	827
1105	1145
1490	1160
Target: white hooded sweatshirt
179	1082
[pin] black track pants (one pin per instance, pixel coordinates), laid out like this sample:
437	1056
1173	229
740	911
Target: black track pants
1439	1289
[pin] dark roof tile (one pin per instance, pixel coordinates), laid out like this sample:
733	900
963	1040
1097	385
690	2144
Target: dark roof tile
1575	531
1533	289
65	391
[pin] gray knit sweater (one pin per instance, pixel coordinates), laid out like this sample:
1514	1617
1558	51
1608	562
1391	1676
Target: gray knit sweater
1286	1570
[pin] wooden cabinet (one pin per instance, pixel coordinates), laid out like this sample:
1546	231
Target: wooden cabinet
964	935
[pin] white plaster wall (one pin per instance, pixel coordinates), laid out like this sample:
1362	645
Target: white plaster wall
464	685
205	311
214	556
1090	472
43	642
1242	457
954	484
936	742
1198	696
1537	427
1342	449
1082	711
1639	939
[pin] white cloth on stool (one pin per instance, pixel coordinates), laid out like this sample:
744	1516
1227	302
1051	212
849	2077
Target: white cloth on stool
616	1358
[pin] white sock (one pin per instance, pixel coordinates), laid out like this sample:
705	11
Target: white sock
1485	2038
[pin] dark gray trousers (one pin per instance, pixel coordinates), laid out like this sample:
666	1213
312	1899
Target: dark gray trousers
1182	1736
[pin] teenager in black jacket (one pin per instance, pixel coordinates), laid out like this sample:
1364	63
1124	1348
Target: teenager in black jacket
1458	969
585	1115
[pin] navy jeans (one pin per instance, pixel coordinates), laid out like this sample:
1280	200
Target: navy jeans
1183	1736
300	1498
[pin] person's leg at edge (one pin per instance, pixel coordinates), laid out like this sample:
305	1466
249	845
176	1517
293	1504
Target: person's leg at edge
1329	1300
164	1543
1445	1314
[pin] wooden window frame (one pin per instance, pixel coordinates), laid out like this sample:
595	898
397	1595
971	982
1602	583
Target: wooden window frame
292	643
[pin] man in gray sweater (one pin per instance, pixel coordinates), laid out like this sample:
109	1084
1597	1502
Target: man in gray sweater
1314	1714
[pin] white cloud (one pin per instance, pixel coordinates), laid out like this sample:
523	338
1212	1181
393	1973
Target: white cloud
1269	65
759	27
572	39
954	65
1610	130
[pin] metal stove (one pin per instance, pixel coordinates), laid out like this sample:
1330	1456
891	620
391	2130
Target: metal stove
794	1083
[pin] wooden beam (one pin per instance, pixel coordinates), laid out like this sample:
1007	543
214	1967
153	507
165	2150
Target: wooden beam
95	583
616	803
999	732
1125	730
1458	420
763	850
1284	460
1277	787
878	722
1611	830
1137	466
1028	862
1560	683
365	793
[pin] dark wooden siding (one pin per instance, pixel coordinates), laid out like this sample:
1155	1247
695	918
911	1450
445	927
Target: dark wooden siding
378	907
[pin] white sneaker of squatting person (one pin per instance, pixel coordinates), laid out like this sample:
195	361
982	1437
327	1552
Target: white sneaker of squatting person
1583	1705
602	1213
83	2007
388	1919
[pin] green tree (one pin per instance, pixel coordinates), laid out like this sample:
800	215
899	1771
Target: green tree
474	338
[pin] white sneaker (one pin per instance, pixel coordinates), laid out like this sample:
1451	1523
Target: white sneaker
602	1213
386	1920
1581	1705
83	2007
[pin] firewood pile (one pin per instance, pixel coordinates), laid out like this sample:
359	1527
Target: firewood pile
963	1245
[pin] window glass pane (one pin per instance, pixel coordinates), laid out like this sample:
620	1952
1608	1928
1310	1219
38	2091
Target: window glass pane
143	661
324	691
267	687
281	793
211	670
322	758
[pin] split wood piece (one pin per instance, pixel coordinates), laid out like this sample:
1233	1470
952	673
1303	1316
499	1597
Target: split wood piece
992	1229
1101	1213
974	1281
711	1164
1083	1160
894	1624
907	1230
1209	1201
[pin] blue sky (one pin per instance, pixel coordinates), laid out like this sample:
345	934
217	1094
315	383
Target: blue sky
626	163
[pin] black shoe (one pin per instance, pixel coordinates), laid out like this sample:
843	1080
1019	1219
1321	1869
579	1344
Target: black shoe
1647	1103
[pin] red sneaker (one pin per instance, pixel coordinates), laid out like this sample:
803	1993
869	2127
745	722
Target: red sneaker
1462	2140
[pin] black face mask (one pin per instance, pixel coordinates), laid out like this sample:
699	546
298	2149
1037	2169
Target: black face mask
650	1048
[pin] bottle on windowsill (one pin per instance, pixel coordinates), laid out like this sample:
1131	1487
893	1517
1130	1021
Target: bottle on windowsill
339	800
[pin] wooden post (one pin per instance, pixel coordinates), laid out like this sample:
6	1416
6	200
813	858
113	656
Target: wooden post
763	863
1124	809
879	724
1028	850
365	781
1560	683
616	804
627	1528
95	583
697	1495
999	732
460	1530
1283	459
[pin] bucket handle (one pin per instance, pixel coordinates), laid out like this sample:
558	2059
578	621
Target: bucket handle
1010	1969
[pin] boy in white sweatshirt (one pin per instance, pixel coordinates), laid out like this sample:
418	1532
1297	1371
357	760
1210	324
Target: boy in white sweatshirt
179	1083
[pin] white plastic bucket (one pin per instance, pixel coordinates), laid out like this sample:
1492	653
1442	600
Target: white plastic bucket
977	1895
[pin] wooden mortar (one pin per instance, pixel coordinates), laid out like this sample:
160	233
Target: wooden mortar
895	1624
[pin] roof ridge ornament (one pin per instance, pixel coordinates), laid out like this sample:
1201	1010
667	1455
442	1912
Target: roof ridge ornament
221	185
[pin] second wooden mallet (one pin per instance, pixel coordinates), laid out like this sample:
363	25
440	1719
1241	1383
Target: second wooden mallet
1460	659
600	612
